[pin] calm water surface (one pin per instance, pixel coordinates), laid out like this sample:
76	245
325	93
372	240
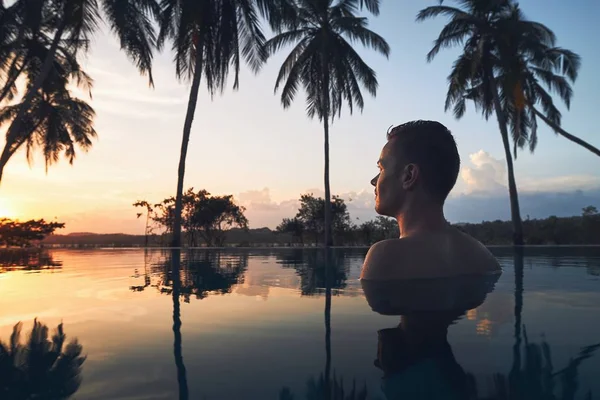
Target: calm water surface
277	324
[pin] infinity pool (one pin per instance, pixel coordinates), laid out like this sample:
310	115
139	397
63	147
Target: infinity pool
295	324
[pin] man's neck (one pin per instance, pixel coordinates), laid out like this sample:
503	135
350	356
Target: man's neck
419	219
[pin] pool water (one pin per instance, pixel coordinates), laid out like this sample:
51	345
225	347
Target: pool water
296	324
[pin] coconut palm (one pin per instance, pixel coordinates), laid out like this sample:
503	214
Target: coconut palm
55	121
208	38
325	64
531	67
63	29
475	26
508	67
42	367
17	22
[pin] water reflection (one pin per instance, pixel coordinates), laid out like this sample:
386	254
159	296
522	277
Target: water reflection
27	260
324	267
415	357
181	372
40	368
200	273
532	374
317	269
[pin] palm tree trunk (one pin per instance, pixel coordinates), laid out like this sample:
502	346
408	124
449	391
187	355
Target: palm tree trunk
328	236
325	105
512	185
181	373
187	128
15	127
566	134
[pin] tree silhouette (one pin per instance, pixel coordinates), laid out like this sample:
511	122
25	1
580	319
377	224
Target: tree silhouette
42	40
177	352
208	37
325	387
42	367
201	273
325	64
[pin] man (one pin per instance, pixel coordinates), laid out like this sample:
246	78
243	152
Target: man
418	168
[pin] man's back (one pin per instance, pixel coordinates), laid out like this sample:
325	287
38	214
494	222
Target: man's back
441	254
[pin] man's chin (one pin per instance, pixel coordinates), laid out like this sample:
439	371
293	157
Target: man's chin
379	210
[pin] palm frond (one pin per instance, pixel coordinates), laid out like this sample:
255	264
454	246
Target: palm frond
132	22
555	83
356	30
453	33
283	39
436	11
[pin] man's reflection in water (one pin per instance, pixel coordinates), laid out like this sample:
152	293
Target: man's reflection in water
415	357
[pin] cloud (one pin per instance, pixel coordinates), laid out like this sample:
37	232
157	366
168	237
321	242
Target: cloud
258	200
487	174
262	211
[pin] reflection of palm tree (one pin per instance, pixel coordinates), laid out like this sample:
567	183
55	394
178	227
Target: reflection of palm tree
328	268
326	388
40	368
518	266
315	270
181	374
416	357
202	273
536	379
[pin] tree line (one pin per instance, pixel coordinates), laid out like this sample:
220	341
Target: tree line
307	225
509	66
217	221
21	234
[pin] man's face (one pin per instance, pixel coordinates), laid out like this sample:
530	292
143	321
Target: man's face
389	191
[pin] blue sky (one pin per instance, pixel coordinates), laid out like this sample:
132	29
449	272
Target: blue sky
244	143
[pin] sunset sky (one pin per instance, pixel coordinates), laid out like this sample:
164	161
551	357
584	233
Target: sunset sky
243	143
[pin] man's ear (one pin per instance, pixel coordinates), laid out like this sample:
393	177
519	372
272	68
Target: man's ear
410	176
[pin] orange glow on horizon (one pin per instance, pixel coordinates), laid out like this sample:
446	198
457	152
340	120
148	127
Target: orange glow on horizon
6	211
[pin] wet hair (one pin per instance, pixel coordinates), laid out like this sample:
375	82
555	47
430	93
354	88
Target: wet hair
431	146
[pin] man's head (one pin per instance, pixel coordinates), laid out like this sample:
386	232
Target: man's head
419	163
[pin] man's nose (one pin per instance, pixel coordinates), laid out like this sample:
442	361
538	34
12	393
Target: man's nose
374	180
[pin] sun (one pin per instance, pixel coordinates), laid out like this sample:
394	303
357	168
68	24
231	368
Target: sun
6	210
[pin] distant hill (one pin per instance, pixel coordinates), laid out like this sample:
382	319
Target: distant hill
89	239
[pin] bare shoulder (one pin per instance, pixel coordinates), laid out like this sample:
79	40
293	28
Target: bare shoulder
444	254
478	257
384	257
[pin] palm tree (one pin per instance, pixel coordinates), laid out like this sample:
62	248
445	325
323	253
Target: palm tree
55	121
531	65
325	64
62	30
208	37
475	26
43	367
508	66
17	22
